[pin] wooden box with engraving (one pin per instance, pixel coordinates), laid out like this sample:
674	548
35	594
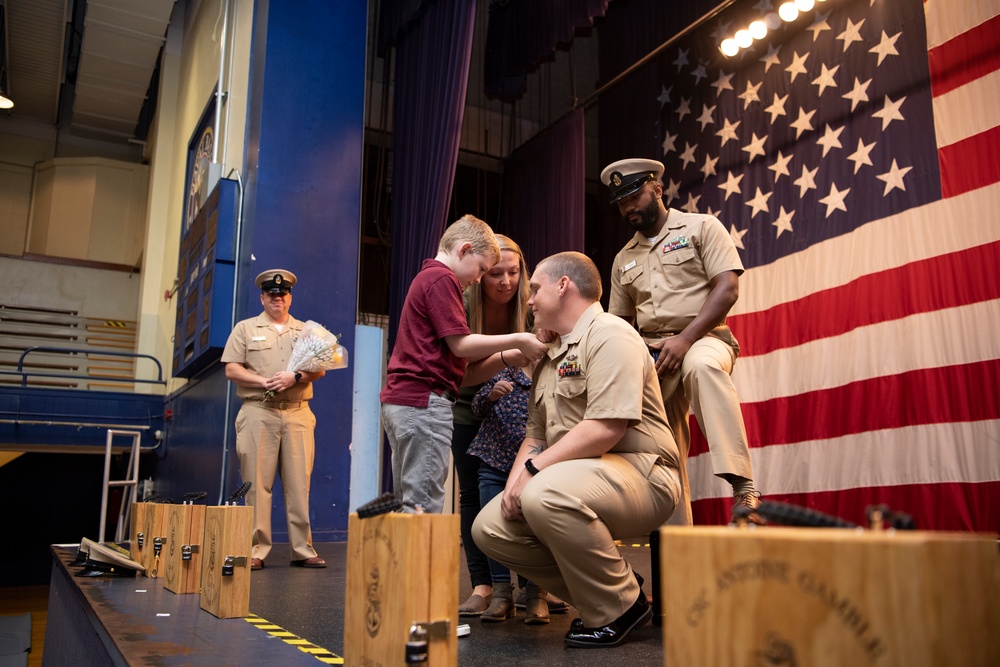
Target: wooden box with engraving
402	586
225	560
182	562
828	596
148	537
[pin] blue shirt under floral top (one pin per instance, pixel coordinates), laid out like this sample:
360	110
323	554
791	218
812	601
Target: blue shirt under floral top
504	421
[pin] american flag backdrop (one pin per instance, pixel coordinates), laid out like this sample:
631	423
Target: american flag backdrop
855	159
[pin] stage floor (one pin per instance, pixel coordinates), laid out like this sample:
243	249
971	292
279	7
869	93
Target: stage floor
295	610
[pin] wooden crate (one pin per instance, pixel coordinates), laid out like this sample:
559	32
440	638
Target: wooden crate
228	533
151	520
809	596
401	569
185	532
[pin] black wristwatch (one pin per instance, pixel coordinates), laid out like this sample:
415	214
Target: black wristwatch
531	467
298	377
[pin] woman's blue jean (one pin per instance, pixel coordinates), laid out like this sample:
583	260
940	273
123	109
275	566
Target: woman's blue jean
491	484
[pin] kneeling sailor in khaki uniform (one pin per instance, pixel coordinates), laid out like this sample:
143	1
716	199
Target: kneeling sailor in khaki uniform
598	462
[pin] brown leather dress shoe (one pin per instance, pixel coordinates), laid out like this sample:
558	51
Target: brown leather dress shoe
256	564
314	562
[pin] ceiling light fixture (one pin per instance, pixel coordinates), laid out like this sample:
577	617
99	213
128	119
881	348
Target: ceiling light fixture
5	102
758	29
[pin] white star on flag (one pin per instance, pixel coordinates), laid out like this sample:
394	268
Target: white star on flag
682	59
830	139
777	107
819	24
780	166
835	200
759	203
894	178
807	181
684	108
889	111
687	157
885	48
825	79
706	116
852	33
756	147
798	66
668	143
750	94
784	221
737	235
860	157
723	83
858	94
732	185
771	57
728	131
664	97
803	123
691	205
708	169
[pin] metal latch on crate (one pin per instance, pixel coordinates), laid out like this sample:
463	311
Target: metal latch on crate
420	634
230	563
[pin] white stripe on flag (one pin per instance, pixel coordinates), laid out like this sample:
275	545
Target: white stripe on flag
931	454
922	341
962	113
950	18
895	241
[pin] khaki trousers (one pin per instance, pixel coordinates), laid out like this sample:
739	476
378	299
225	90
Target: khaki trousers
269	442
705	387
573	513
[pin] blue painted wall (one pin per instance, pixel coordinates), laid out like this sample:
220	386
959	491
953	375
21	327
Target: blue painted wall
302	205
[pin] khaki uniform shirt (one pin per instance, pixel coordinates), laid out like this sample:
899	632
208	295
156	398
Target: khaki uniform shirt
259	347
602	370
664	283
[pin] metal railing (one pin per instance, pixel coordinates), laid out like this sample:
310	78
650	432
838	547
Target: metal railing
89	376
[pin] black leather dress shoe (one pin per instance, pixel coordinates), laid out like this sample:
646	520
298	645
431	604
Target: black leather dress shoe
614	632
313	562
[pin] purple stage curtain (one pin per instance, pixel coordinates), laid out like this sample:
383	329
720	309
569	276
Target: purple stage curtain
543	191
522	33
628	33
394	19
432	74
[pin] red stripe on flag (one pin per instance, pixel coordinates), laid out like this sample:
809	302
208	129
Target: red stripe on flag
961	393
887	402
966	57
947	506
946	281
971	163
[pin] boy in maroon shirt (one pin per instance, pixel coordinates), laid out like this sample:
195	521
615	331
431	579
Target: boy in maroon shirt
428	362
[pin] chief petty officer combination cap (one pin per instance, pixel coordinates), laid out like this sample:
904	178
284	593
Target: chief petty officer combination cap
276	281
627	176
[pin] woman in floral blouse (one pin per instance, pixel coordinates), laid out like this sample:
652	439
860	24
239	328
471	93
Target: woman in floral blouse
503	404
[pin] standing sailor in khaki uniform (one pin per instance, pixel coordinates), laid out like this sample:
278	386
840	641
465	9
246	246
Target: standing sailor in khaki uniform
598	462
274	428
678	277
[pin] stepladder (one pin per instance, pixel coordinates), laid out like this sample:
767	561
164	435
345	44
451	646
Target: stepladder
130	483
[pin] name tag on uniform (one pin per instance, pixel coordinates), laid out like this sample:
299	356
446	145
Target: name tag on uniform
256	338
630	265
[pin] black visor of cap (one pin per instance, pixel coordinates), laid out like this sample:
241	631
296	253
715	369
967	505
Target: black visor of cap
631	184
